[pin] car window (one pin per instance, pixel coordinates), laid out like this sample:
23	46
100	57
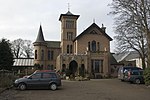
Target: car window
49	75
141	72
46	75
135	73
36	76
53	75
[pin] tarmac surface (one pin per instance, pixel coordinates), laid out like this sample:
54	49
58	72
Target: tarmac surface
96	89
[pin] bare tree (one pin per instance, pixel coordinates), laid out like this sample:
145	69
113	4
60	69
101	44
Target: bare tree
132	26
28	49
22	48
17	47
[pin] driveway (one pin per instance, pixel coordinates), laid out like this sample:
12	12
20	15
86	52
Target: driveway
101	89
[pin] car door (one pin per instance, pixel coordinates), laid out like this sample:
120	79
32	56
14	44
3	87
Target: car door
46	79
34	80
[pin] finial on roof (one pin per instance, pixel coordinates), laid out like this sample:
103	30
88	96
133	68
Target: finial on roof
94	20
102	25
68	6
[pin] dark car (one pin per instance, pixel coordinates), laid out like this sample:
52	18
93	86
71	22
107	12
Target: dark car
123	70
39	79
134	76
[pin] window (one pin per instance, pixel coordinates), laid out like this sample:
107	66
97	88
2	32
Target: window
36	76
94	46
42	55
89	46
35	54
67	48
50	55
70	48
101	64
69	36
53	75
98	46
46	75
96	66
69	24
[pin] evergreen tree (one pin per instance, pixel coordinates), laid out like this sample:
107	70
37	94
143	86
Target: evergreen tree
6	55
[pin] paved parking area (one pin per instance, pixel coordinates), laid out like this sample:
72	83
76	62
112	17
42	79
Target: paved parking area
101	89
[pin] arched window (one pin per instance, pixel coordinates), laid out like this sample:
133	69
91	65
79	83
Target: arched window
67	48
35	54
94	46
89	46
98	46
49	56
70	48
42	55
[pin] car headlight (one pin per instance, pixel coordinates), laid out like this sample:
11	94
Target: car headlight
16	81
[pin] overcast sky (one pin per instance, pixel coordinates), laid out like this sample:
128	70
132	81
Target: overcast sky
22	18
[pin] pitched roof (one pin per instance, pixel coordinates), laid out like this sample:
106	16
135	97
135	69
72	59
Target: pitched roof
126	56
92	26
68	14
53	44
40	37
24	62
113	61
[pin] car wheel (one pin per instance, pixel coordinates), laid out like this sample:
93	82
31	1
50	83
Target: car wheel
137	81
22	86
53	86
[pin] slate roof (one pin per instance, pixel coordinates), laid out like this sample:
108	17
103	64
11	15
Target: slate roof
40	37
68	14
113	61
53	44
126	56
90	27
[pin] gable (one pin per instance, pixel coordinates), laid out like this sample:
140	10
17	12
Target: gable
95	30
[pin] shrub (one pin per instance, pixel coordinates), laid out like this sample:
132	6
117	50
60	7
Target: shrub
68	72
6	81
147	76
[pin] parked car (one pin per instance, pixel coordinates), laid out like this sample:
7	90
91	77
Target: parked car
134	76
123	70
39	79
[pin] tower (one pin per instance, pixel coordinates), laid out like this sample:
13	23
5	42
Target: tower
68	31
40	49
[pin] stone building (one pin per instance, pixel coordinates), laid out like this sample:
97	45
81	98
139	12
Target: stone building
89	51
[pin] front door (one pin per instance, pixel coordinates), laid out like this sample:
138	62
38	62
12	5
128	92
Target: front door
73	67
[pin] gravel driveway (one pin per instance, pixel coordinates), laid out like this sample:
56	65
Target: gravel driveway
103	89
